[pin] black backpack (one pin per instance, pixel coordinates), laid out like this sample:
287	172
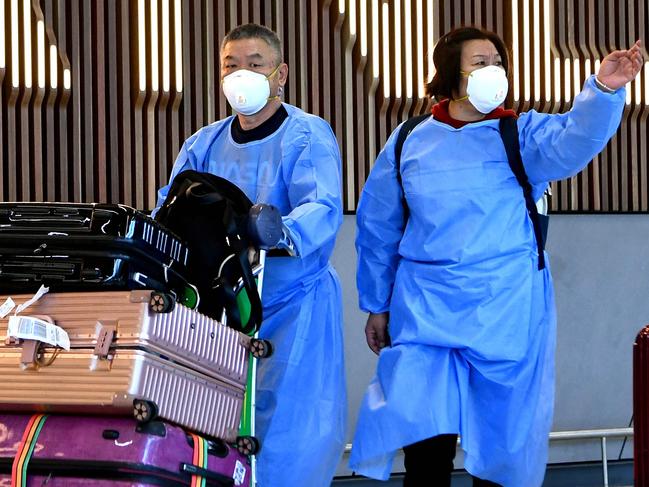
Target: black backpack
211	214
509	135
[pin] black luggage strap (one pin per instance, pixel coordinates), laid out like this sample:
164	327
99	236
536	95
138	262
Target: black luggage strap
509	134
229	300
240	251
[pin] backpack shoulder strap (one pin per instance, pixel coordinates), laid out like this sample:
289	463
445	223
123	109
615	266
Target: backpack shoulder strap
404	131
509	135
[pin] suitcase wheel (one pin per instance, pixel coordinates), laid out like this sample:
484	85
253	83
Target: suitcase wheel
260	348
248	445
161	302
144	411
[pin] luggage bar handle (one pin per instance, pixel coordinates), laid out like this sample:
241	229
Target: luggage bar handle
31	349
105	336
31	354
221	480
62	216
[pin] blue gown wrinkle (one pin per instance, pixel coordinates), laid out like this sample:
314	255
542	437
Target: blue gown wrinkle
385	222
472	320
301	391
315	197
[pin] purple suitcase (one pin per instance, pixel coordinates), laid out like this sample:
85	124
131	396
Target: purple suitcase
111	451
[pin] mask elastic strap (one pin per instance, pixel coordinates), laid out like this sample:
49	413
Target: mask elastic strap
465	97
273	71
276	97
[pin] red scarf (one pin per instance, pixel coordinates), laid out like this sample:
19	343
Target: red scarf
441	114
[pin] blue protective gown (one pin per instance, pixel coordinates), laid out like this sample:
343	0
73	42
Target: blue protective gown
472	320
301	393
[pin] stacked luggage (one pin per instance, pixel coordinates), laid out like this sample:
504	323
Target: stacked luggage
85	247
116	336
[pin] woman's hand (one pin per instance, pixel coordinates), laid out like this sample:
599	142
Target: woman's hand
376	331
620	67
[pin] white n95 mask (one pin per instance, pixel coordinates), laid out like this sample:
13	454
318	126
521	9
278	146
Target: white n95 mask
487	88
247	92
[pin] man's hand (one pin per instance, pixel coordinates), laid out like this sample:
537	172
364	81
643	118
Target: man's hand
376	331
621	67
265	226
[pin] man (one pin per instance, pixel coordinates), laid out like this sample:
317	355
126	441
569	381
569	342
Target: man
281	156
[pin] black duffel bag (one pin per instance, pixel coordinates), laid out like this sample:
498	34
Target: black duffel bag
211	215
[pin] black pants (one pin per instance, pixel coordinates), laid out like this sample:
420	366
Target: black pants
429	463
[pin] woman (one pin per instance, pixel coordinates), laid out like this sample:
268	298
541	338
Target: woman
456	275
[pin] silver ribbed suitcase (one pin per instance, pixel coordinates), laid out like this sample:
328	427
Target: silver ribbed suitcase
129	352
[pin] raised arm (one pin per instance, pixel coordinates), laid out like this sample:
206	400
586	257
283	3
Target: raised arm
620	67
559	146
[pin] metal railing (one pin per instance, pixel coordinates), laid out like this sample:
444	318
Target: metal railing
601	434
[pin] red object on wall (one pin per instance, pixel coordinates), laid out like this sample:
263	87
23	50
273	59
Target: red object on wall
641	408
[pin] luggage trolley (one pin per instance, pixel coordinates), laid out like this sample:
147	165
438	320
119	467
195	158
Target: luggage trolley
247	442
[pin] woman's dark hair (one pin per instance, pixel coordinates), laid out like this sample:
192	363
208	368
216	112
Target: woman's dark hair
447	56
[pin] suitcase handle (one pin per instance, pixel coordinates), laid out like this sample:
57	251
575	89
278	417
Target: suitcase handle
31	349
105	336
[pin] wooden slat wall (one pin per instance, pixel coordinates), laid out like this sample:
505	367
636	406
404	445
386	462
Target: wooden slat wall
96	108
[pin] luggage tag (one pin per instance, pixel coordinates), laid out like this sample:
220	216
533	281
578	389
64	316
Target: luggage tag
35	328
31	331
6	307
39	294
239	474
10	304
